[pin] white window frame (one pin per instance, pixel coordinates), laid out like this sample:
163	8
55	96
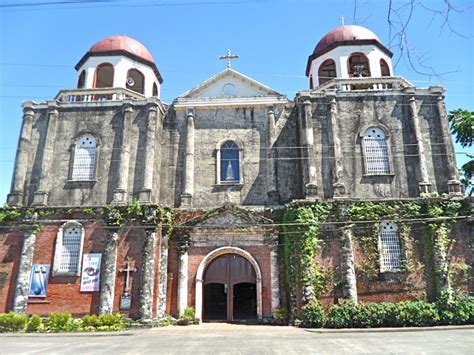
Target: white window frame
390	247
218	163
59	250
75	173
371	161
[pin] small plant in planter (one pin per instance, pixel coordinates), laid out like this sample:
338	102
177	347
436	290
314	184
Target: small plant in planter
188	317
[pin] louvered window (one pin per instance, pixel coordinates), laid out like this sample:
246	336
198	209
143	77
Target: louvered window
84	158
389	247
376	152
70	245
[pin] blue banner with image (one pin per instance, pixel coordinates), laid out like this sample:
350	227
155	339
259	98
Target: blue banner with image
39	280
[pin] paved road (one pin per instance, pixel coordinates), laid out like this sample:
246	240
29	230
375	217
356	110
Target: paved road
241	339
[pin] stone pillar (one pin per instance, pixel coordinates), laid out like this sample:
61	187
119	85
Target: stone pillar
275	276
454	185
272	189
424	184
108	275
144	195
338	173
311	186
120	192
440	259
15	197
148	275
163	280
348	275
24	273
40	197
183	278
187	195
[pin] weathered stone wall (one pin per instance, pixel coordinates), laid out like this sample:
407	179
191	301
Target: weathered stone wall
10	250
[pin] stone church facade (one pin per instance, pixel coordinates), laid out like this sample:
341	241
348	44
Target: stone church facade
175	203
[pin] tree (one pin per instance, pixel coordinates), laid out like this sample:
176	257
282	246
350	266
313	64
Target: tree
462	126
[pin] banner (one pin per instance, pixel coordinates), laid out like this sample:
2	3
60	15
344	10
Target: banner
39	280
90	279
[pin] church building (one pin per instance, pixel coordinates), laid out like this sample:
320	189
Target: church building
121	202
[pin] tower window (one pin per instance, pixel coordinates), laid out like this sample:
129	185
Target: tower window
327	71
384	69
358	65
135	81
375	151
82	80
84	158
389	247
69	242
155	90
104	76
229	158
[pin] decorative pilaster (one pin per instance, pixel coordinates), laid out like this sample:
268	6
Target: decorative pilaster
15	197
274	275
454	185
145	192
424	184
348	275
187	195
148	275
272	190
338	173
311	188
109	271
183	278
163	280
40	197
120	192
24	273
440	258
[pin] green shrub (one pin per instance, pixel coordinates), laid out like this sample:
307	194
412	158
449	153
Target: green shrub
59	321
373	315
416	314
167	320
91	321
13	322
455	308
189	314
313	315
342	315
114	321
35	324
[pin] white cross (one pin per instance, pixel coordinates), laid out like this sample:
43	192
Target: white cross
229	56
128	269
342	20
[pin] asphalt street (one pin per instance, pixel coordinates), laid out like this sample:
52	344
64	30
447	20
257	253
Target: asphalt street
241	339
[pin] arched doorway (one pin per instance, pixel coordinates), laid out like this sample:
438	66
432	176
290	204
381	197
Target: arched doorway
235	286
229	292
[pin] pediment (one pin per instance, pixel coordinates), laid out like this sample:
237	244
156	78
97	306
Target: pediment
227	84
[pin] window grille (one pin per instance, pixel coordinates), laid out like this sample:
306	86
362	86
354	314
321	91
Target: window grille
70	249
84	158
230	163
389	247
376	152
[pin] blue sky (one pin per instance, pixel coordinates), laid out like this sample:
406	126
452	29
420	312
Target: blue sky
39	46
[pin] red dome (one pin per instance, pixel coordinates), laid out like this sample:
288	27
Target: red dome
344	34
122	43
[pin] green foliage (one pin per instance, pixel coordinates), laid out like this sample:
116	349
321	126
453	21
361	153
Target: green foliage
342	315
167	320
313	315
455	308
462	125
280	313
189	314
111	320
59	321
35	324
416	314
91	321
13	322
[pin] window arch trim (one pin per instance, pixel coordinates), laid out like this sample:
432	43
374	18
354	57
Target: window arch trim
73	257
323	79
240	149
96	72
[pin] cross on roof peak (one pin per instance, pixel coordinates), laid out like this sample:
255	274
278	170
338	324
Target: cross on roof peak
342	18
229	57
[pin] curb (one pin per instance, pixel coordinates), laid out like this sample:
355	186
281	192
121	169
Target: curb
71	334
389	330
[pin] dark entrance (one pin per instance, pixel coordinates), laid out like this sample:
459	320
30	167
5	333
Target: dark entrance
230	291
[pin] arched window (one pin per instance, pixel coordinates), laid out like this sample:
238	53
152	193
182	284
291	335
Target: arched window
135	81
104	76
82	80
326	71
155	90
358	65
68	253
85	149
229	163
384	69
390	250
375	150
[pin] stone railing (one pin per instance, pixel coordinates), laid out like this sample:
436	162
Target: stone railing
365	84
94	95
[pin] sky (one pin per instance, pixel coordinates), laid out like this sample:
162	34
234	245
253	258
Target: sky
41	43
